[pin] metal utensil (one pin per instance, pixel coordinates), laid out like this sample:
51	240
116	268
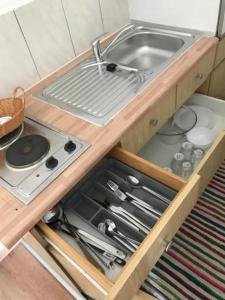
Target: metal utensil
145	207
102	244
135	221
126	221
56	217
136	183
111	227
103	229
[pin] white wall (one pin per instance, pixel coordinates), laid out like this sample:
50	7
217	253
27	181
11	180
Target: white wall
38	38
194	14
9	5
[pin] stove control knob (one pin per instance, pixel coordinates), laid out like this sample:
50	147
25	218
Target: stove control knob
70	147
51	163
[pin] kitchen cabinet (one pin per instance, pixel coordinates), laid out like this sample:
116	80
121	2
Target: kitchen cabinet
19	218
215	83
150	123
144	128
195	77
129	280
220	54
185	88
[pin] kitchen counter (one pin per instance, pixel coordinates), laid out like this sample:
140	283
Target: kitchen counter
17	218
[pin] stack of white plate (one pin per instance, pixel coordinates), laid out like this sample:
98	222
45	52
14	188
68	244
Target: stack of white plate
202	134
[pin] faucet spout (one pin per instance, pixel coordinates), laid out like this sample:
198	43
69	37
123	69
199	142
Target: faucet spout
122	32
99	53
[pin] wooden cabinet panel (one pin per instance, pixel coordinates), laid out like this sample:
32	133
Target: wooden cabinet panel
136	137
220	54
211	161
217	82
196	77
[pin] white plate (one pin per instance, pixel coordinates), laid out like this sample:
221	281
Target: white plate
201	137
184	118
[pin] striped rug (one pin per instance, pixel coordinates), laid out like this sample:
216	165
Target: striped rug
194	267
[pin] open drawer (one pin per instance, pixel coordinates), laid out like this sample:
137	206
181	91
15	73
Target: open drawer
128	281
161	153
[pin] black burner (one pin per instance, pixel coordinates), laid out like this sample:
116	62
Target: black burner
27	151
7	139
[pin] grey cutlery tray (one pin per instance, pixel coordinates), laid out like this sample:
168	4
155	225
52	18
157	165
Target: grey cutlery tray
89	200
85	214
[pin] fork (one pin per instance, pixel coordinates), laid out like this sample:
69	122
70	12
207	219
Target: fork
142	205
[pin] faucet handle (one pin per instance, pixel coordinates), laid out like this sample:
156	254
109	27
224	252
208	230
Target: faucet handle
97	48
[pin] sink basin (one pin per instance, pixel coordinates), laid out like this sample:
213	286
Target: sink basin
97	94
145	50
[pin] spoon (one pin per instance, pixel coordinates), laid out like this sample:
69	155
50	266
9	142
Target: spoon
112	229
109	228
103	228
136	183
55	218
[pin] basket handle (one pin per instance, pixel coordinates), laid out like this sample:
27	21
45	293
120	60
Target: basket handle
19	90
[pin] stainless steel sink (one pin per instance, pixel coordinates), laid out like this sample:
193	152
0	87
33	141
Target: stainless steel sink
144	50
96	93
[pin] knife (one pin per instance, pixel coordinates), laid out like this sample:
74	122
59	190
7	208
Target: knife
100	244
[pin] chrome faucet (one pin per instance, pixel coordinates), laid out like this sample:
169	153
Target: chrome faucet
99	53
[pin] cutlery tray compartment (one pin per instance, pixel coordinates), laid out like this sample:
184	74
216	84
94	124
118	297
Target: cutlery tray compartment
74	205
85	212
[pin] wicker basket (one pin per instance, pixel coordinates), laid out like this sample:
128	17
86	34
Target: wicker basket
12	107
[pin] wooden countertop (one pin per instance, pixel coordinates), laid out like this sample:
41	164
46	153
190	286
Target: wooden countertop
17	218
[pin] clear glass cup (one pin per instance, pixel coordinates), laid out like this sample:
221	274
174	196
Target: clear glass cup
186	169
197	156
176	163
187	150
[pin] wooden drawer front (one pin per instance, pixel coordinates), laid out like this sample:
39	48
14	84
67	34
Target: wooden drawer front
211	162
129	280
137	269
220	54
217	82
150	123
196	77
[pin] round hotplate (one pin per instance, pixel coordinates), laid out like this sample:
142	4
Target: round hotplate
11	137
27	151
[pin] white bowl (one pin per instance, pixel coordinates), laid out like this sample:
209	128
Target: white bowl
201	137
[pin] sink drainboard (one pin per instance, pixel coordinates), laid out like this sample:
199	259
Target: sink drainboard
94	95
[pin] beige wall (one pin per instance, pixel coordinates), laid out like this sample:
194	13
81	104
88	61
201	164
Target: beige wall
40	37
